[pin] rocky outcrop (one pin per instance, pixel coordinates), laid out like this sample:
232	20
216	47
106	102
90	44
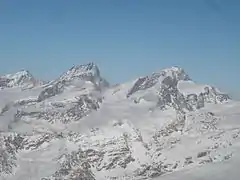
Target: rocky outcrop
52	90
73	111
10	144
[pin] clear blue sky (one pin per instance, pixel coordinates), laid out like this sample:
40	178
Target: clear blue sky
126	38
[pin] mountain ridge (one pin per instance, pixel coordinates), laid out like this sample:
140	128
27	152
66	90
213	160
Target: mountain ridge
92	69
81	127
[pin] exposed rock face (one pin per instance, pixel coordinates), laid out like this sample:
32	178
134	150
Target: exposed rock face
64	113
87	72
52	90
10	144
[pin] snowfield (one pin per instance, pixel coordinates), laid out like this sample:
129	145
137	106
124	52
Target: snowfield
217	171
79	127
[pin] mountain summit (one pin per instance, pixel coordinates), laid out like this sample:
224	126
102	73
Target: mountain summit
79	77
170	76
81	71
88	72
22	79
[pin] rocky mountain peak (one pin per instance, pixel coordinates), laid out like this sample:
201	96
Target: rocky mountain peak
21	78
168	86
84	71
167	77
76	76
176	72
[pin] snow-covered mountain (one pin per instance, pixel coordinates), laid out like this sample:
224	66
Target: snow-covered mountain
80	127
80	78
23	79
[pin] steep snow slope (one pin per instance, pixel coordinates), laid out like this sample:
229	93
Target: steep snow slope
11	99
79	127
218	171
